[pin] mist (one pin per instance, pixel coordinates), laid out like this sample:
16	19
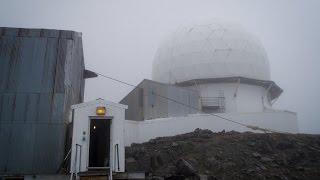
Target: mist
120	39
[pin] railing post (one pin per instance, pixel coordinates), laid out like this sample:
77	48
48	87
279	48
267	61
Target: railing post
117	145
76	160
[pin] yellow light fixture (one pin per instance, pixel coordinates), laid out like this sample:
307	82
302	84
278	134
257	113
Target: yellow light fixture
101	111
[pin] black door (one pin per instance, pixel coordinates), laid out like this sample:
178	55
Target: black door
99	148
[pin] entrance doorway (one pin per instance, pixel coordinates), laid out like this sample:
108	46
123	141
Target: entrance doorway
99	148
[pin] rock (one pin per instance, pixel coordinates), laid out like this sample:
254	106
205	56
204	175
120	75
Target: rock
227	156
171	154
299	168
134	144
160	160
174	177
251	170
266	159
184	168
194	163
261	167
130	160
252	144
193	178
144	163
264	147
154	162
256	155
206	177
285	145
156	178
132	164
205	136
212	178
228	165
174	144
171	169
212	163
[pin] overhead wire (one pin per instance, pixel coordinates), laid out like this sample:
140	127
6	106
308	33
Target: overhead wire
256	128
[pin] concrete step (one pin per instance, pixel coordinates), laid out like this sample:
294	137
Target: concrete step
94	173
94	177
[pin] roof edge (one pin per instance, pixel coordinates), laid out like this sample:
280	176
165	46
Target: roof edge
99	101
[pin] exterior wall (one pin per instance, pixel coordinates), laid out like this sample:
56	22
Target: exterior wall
249	98
82	114
146	130
135	102
40	77
144	104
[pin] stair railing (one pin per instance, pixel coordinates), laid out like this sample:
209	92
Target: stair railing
76	162
116	147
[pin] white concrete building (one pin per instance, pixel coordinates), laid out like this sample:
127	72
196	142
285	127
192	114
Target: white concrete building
227	67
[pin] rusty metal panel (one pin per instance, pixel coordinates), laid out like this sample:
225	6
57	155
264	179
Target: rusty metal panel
41	76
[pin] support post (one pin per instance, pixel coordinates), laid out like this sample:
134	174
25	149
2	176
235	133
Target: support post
235	93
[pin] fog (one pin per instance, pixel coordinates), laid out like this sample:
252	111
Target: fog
120	39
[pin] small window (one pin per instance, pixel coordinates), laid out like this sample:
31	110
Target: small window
140	96
151	98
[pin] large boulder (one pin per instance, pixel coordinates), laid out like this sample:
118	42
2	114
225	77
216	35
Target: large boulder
184	168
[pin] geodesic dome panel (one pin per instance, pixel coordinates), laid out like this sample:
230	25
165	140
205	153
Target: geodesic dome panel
210	49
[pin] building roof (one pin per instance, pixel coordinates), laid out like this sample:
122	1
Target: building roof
47	33
99	101
274	90
210	49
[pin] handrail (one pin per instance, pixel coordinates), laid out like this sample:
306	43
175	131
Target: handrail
64	160
75	162
80	155
117	154
213	101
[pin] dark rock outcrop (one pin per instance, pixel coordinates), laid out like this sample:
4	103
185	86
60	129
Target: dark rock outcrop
204	155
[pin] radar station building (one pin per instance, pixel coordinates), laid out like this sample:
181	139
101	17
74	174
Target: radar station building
208	67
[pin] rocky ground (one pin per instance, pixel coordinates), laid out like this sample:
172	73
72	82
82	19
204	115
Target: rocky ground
203	154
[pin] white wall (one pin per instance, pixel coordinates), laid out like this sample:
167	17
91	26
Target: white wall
248	99
82	113
142	131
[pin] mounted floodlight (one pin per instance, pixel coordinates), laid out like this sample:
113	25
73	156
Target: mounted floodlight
101	111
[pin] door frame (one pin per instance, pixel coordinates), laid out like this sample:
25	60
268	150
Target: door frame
109	118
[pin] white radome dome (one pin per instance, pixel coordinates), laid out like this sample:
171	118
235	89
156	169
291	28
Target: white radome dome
210	49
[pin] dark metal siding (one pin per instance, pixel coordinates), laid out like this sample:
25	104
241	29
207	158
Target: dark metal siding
40	78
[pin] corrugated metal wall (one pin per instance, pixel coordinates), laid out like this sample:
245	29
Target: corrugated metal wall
143	104
41	75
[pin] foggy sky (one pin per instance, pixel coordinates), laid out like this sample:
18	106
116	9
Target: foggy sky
120	39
